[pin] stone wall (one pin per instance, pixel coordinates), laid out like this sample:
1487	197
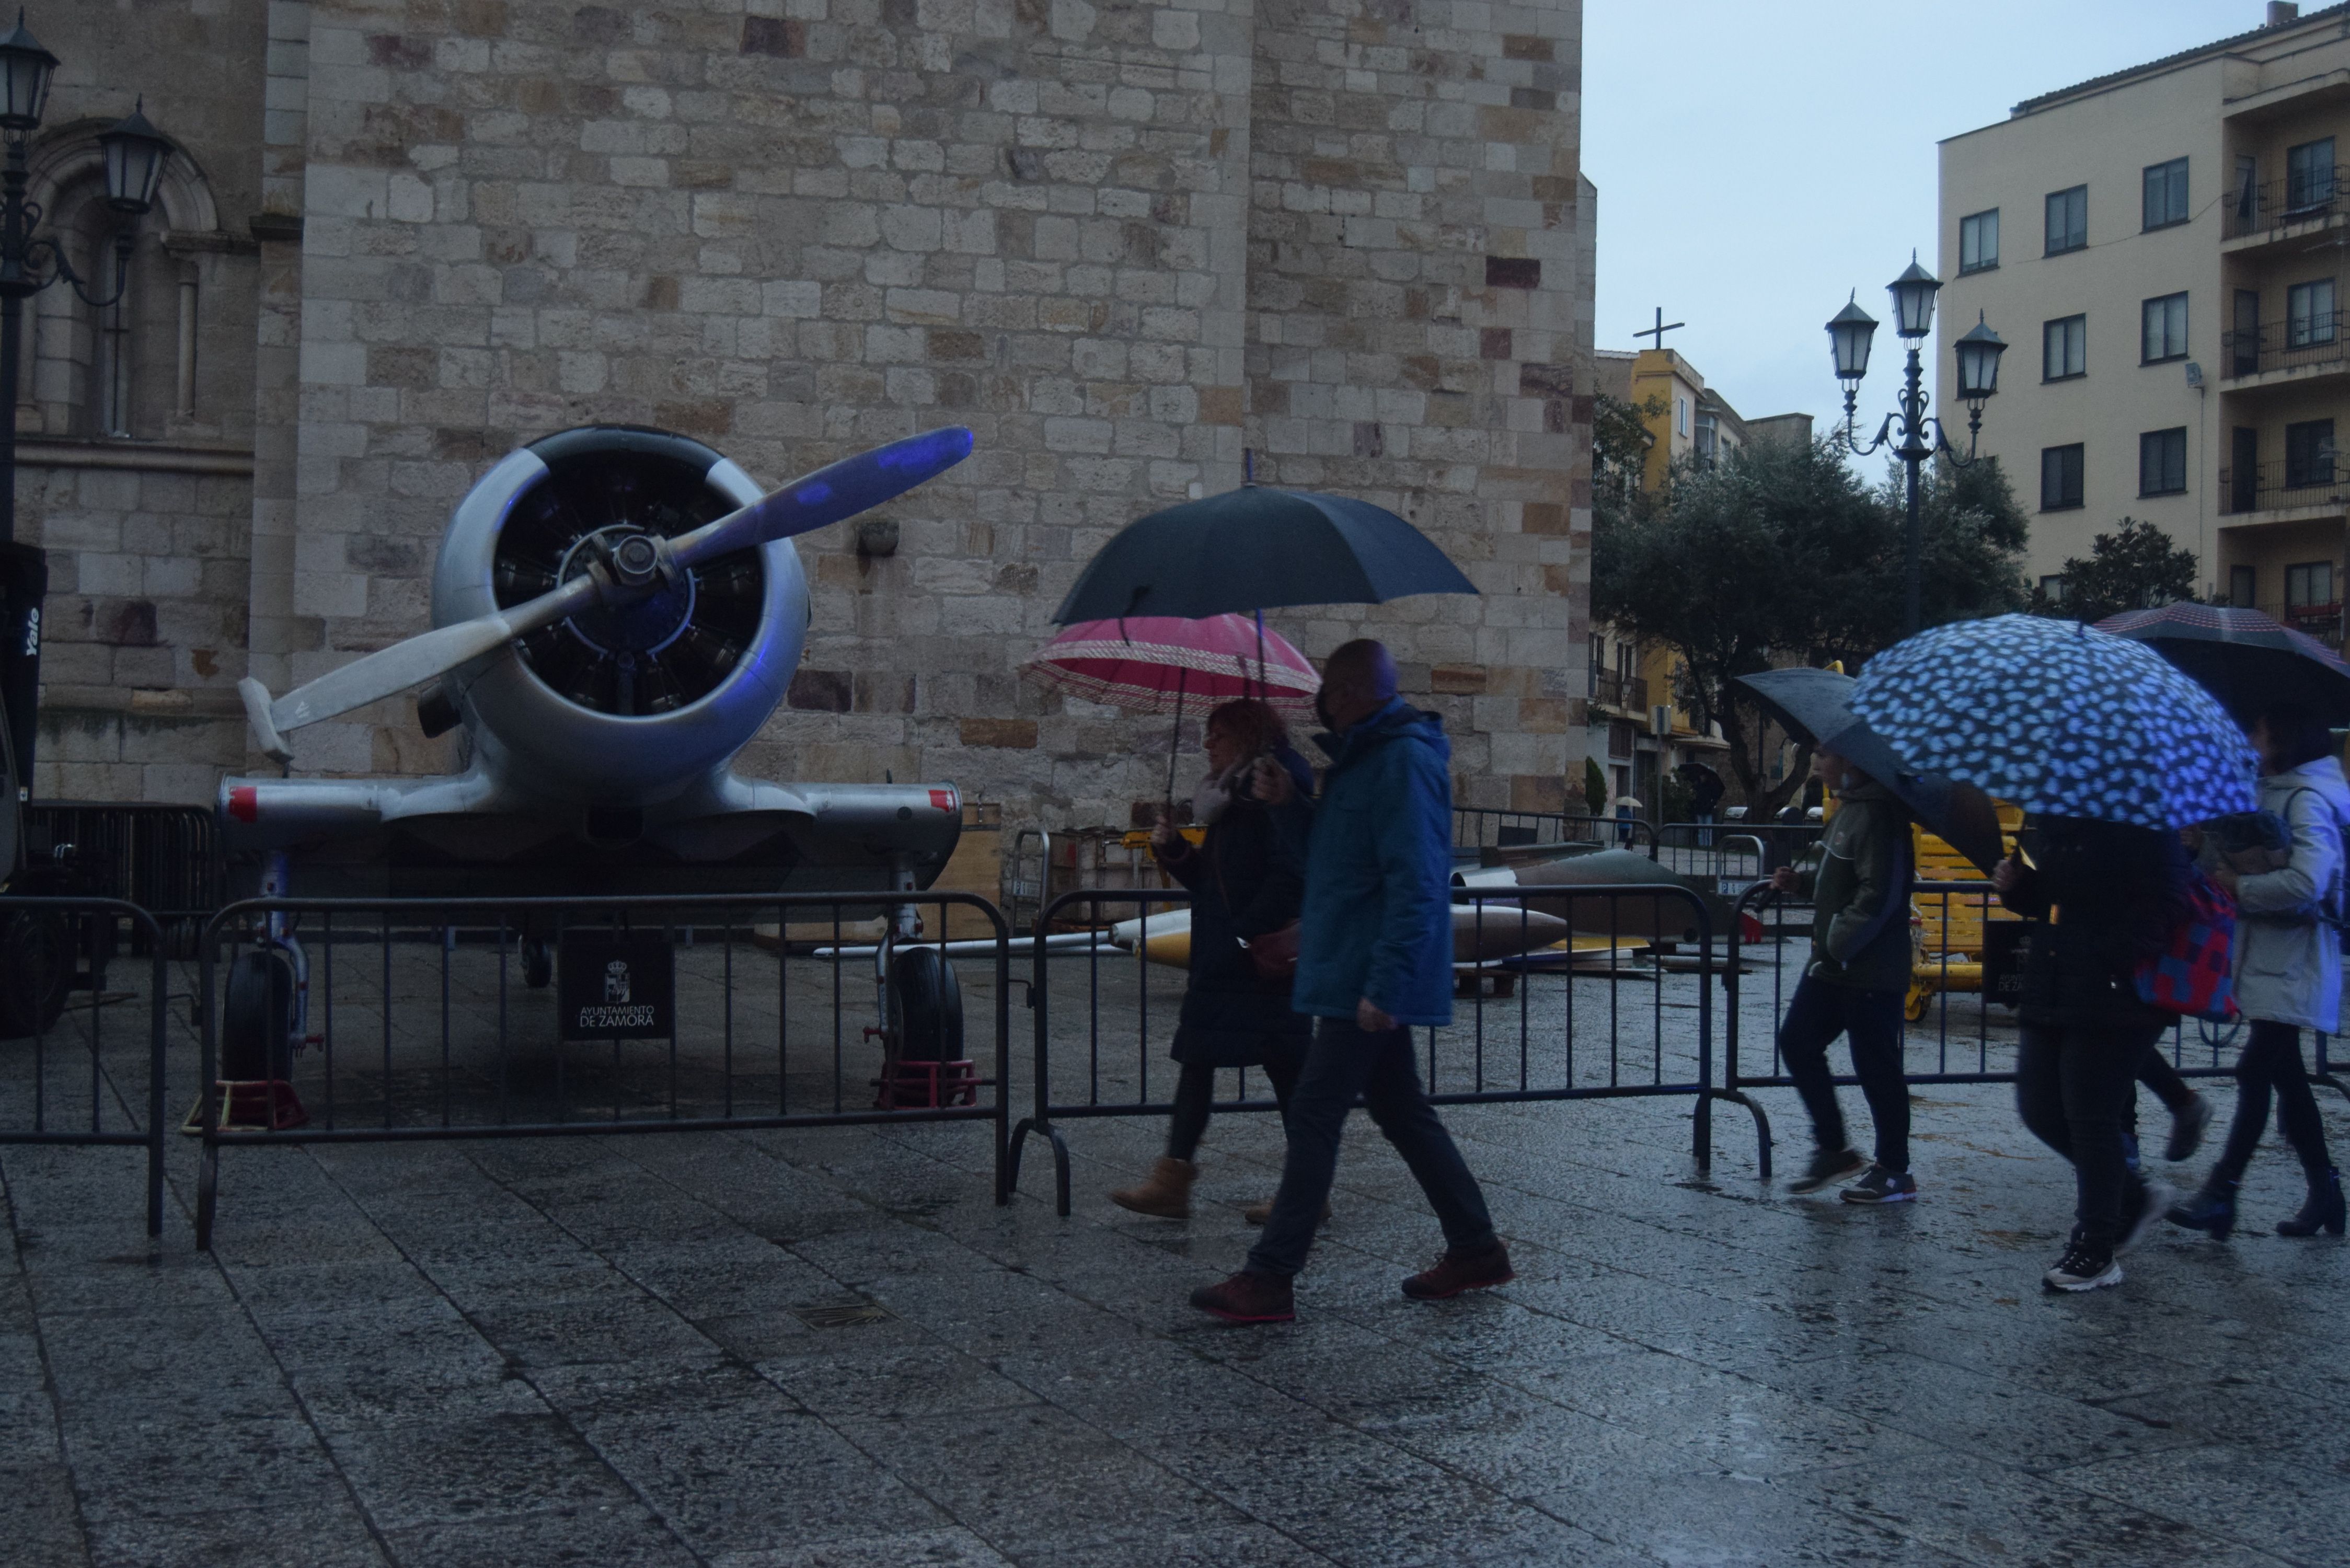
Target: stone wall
1123	242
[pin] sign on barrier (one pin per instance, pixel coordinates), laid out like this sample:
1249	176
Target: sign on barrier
422	1019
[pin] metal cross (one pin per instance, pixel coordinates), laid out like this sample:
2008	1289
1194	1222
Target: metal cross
1661	328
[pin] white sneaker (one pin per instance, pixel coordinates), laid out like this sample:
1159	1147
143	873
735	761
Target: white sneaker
2157	1200
2082	1270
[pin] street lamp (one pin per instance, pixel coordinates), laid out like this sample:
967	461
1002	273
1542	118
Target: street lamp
134	153
1920	437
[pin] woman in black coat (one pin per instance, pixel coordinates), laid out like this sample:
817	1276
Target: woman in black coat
2106	896
1245	884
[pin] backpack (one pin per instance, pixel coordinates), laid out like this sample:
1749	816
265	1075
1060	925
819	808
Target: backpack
2194	975
2330	907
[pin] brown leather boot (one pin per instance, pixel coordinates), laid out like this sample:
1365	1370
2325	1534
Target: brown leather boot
1167	1193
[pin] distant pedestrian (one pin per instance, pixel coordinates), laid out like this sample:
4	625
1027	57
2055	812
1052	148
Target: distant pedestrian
2288	970
2106	895
1245	883
1375	959
1855	984
1706	790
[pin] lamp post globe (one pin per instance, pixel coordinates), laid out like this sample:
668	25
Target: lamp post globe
1913	300
135	154
25	68
1978	353
1850	332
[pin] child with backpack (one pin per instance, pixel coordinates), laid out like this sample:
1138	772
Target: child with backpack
2286	873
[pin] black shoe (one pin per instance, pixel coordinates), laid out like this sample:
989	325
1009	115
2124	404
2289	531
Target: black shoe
2083	1268
1882	1186
2211	1209
1829	1166
2323	1212
2186	1129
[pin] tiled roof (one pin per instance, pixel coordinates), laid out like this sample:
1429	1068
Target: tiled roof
2222	47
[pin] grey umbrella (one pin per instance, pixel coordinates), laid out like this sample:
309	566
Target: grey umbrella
1811	703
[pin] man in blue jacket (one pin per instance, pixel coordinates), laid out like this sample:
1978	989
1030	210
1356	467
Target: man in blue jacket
1375	958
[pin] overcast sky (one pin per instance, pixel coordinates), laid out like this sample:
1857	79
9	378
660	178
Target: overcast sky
1757	159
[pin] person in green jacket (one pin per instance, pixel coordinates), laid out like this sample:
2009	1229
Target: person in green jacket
1855	983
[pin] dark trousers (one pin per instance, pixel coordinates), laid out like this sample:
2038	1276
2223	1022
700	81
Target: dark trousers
2155	1071
1871	1022
2272	1059
1343	1063
2074	1089
1196	1088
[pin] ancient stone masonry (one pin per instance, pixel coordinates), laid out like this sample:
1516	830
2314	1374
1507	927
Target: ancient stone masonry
1124	242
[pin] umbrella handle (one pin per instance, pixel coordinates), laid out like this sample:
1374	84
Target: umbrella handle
1175	741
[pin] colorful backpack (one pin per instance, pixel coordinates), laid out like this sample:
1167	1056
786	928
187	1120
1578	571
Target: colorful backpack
2195	973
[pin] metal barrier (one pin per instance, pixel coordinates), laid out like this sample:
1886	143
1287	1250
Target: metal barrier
1492	827
668	1017
2194	1049
1545	1035
1737	852
164	858
55	948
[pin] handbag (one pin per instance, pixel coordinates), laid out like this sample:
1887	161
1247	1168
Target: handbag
2194	975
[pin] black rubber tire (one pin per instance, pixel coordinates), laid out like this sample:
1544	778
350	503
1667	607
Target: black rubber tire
36	964
925	1007
257	1017
538	963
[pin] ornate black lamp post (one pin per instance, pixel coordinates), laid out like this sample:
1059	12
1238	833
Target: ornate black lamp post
135	153
1920	437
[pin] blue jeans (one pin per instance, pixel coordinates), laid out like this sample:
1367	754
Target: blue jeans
1343	1063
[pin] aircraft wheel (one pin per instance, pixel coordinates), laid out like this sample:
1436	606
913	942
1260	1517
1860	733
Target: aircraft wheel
35	972
257	1017
925	1007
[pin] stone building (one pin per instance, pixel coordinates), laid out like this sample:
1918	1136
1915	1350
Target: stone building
1125	243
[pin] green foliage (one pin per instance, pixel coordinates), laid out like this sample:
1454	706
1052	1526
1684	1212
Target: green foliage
1778	554
1620	440
1594	787
2135	568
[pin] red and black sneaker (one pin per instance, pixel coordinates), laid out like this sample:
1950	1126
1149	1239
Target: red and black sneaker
1458	1271
1248	1298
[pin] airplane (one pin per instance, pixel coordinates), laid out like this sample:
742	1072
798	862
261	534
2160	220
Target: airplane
616	613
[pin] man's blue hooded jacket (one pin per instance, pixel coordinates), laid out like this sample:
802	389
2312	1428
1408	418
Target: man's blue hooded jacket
1378	919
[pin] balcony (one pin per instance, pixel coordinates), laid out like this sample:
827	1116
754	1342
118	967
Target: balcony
2282	486
1625	694
2286	207
2322	622
2315	345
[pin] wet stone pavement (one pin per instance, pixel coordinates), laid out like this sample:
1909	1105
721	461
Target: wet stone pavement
831	1348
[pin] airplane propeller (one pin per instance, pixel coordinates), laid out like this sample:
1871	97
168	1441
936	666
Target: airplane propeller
634	568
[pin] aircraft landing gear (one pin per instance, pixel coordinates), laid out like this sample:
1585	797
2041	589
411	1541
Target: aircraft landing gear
257	1017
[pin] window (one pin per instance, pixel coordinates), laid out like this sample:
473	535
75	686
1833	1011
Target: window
2308	176
2165	193
2309	585
2059	477
2065	347
2309	313
2165	330
2068	220
2242	580
2248	191
1680	415
2052	587
1709	439
2309	454
1978	242
2162	461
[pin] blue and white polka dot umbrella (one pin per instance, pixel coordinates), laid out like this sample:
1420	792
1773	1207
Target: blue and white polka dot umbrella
2060	720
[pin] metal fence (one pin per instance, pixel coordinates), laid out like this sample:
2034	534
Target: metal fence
1962	1026
1493	827
1545	1022
82	1043
383	1020
164	858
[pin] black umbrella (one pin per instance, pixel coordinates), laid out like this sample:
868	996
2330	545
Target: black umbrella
1811	703
1697	771
1259	548
2242	657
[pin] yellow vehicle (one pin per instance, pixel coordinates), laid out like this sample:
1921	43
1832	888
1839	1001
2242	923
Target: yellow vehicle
1947	933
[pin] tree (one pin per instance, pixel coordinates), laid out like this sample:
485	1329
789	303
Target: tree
1594	787
1777	554
2135	568
1620	440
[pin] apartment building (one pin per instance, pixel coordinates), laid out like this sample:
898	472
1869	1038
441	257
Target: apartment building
2163	248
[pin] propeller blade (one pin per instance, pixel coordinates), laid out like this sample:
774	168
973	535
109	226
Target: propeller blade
837	490
422	657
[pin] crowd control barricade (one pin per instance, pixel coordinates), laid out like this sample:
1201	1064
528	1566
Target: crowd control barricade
82	1028
1493	827
164	858
1960	1025
390	1020
1733	854
1584	1000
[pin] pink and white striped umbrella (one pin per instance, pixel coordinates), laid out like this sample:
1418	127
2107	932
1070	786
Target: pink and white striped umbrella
1160	664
